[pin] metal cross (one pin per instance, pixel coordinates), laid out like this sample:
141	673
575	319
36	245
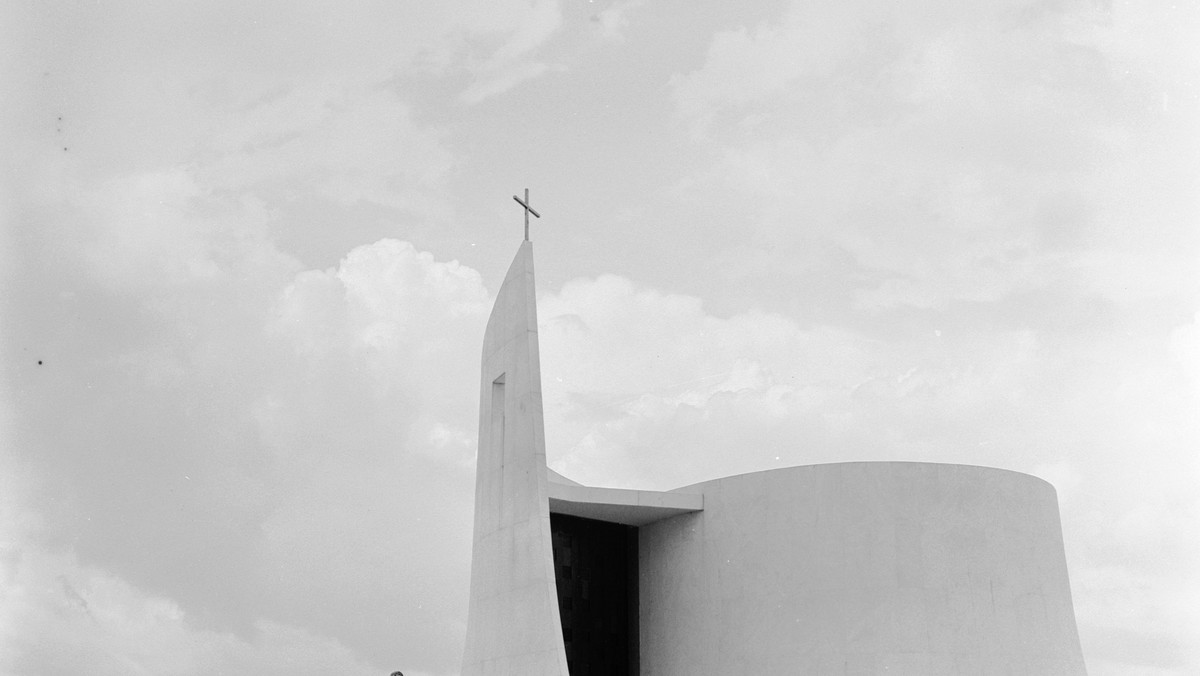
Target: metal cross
528	210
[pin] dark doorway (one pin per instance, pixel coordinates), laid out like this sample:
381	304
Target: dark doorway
595	566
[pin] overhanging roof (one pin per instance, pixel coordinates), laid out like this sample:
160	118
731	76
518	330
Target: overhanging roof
617	505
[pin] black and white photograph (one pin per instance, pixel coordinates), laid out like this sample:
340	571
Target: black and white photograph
600	338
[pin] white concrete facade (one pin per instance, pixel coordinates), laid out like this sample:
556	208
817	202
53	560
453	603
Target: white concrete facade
848	568
861	568
512	622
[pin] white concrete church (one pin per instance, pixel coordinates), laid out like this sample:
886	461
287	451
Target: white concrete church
895	568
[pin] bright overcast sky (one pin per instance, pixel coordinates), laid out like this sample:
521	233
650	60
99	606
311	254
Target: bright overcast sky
249	248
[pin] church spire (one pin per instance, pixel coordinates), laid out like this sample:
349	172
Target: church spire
513	621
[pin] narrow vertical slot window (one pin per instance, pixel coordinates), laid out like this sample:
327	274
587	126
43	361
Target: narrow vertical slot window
497	437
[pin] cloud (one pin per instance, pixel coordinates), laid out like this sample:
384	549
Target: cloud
981	157
157	541
170	396
751	391
398	323
534	25
744	67
383	290
344	139
1135	592
68	618
526	29
614	19
359	426
504	79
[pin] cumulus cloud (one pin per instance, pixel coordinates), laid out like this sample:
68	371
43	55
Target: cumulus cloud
400	324
178	374
159	543
753	390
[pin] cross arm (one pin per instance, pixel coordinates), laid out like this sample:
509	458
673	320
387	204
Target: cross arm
527	207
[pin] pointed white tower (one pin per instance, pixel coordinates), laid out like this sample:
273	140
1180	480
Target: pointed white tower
513	624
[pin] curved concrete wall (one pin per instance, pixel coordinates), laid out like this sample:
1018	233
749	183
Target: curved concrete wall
861	568
513	626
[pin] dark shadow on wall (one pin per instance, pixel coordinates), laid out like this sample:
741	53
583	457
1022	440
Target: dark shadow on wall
595	569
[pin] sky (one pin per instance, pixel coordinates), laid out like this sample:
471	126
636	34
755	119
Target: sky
247	252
